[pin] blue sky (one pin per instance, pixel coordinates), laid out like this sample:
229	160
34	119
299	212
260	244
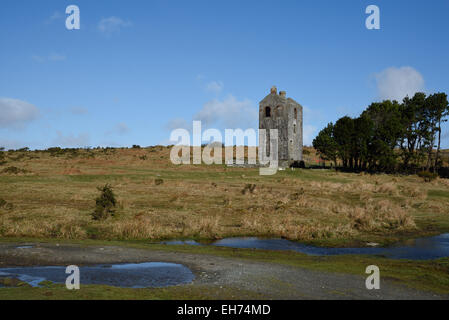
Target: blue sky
137	69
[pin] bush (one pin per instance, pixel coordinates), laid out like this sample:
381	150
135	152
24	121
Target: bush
298	164
249	188
2	157
427	176
105	203
158	181
443	172
6	205
136	146
14	170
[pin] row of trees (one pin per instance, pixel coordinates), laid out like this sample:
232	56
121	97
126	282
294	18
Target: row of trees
388	136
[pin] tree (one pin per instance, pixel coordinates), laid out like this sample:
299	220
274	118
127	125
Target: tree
343	134
411	116
387	132
362	139
325	144
440	106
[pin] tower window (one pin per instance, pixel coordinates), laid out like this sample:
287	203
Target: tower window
296	114
267	112
294	127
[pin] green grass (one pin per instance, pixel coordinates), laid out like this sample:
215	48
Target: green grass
100	292
435	193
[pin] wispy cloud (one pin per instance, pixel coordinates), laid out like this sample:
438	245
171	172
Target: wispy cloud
16	113
396	83
57	15
119	129
12	144
71	140
54	57
178	123
215	86
79	110
228	113
112	25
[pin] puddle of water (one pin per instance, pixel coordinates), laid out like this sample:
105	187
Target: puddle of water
136	275
417	249
24	247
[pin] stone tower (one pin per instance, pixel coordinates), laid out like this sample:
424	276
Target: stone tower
276	111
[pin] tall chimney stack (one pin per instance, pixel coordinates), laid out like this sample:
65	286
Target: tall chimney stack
282	94
274	90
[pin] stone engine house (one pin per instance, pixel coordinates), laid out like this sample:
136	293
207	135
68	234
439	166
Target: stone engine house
276	111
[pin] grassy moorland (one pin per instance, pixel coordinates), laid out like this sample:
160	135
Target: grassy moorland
52	195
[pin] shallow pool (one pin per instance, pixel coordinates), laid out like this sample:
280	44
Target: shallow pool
416	249
138	275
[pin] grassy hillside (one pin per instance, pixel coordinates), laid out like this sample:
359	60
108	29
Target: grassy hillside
52	195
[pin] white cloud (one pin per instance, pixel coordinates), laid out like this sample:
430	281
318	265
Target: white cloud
15	113
11	144
119	129
38	59
56	57
51	57
228	113
112	25
200	77
71	140
178	123
396	83
57	15
215	86
79	110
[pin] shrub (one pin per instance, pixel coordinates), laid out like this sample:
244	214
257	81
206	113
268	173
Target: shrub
14	170
105	203
298	164
6	205
136	146
2	157
427	176
158	181
249	188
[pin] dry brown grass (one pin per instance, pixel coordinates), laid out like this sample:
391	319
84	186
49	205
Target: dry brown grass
199	201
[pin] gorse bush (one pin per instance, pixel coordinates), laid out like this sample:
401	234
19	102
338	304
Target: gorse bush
105	203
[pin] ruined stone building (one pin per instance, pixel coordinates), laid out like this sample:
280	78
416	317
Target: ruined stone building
276	111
